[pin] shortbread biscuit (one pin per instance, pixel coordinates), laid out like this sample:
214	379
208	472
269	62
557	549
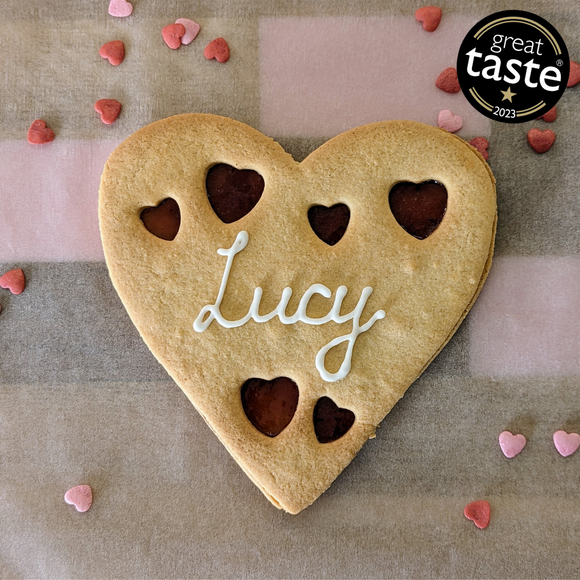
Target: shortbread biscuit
386	301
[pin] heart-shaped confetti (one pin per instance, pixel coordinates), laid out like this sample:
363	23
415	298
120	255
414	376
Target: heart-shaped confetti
109	110
217	49
541	141
511	445
482	145
39	133
120	8
113	51
191	29
447	81
429	16
566	443
574	77
172	35
448	121
550	116
81	496
14	280
479	512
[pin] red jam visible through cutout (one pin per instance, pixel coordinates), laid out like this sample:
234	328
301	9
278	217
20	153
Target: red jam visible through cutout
164	220
233	193
330	421
270	405
329	223
418	207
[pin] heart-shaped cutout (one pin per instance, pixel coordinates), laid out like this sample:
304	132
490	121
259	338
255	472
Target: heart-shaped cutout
191	30
263	297
81	496
172	35
329	223
120	8
109	109
479	512
113	51
39	133
217	49
511	445
330	421
566	443
270	405
233	193
429	16
14	280
541	141
447	81
419	208
163	220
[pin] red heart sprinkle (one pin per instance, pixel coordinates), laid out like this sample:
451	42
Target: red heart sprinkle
217	49
39	133
109	110
549	116
541	141
114	51
481	144
430	16
14	280
479	512
447	81
574	77
172	34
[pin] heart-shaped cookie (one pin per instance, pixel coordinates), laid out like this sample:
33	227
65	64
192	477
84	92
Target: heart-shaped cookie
263	297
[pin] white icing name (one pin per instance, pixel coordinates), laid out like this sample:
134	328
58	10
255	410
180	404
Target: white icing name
203	321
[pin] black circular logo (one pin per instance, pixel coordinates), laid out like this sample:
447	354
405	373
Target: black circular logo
513	66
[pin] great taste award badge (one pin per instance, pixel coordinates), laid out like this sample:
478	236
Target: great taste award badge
513	66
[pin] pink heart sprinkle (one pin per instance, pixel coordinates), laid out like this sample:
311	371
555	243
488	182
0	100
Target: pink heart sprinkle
566	443
13	280
511	445
191	29
80	496
120	8
448	121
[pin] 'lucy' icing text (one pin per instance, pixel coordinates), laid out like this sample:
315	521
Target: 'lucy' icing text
213	310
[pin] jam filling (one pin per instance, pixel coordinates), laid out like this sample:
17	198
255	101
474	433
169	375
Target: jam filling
233	193
270	405
329	223
418	207
164	220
